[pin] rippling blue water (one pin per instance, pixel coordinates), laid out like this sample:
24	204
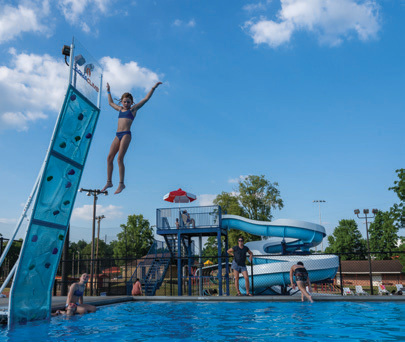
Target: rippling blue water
249	321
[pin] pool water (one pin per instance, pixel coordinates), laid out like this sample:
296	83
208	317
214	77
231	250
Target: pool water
239	321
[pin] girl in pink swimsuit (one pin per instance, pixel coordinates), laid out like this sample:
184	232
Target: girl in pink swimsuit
127	113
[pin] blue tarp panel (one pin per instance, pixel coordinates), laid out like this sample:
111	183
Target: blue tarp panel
31	293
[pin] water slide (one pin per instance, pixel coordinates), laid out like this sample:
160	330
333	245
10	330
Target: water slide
284	236
53	196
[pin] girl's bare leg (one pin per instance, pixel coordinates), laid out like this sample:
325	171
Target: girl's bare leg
236	276
126	139
115	145
301	286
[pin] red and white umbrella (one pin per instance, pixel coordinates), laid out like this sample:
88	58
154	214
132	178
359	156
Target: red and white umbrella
179	196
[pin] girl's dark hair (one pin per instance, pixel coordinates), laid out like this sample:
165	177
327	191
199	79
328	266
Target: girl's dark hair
129	95
300	263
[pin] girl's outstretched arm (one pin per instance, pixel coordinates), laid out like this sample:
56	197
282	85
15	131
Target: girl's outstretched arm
147	97
110	99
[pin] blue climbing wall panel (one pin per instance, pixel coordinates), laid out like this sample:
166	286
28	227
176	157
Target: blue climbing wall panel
31	293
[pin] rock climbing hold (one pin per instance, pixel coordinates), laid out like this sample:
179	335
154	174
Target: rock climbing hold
73	97
61	237
80	117
49	178
31	267
77	138
71	172
62	145
54	251
56	212
34	238
89	135
47	265
66	202
68	185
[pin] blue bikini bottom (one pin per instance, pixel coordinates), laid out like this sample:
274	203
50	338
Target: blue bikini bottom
120	135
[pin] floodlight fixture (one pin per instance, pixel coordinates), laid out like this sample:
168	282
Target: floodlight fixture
374	211
66	53
89	193
80	60
366	211
81	190
356	211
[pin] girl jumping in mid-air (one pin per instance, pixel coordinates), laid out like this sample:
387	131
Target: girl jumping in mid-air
127	113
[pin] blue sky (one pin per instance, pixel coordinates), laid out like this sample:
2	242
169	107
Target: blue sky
309	93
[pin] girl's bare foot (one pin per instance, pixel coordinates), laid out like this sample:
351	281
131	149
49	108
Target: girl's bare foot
108	185
120	188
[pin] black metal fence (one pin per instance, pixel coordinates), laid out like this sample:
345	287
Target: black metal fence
329	274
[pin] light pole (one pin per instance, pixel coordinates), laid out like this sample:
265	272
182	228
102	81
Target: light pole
320	219
94	193
365	212
98	218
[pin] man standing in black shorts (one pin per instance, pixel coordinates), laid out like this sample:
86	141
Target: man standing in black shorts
239	264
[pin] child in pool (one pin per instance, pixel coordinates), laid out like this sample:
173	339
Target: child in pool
127	112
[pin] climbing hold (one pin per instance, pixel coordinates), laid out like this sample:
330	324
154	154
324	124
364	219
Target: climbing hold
62	145
54	251
73	97
71	172
47	265
77	138
66	202
80	117
56	212
68	185
61	237
31	267
49	178
89	135
34	238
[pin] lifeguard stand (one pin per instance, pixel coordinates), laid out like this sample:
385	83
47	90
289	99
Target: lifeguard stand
179	225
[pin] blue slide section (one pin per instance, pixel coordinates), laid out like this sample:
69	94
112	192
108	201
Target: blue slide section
286	236
297	234
31	292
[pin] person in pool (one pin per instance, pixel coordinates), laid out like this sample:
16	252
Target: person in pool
127	113
75	296
302	280
239	264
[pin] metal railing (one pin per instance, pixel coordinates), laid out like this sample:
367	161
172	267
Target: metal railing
189	217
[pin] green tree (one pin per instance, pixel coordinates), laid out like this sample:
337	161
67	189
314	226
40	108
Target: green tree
229	204
258	196
383	233
398	210
254	198
346	238
135	239
104	250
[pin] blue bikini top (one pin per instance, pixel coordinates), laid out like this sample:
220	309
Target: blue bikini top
126	115
78	293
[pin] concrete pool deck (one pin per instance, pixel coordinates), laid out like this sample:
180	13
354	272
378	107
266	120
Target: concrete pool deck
59	302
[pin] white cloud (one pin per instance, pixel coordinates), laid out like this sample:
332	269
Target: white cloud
86	212
123	77
76	11
241	178
330	20
24	18
259	6
206	199
8	221
31	85
190	23
34	84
